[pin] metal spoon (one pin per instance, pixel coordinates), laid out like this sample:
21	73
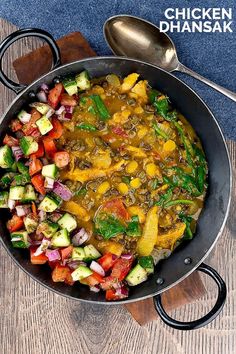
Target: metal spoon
136	38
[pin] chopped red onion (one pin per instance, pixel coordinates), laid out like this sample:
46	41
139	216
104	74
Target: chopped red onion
69	109
11	204
44	161
19	134
40	197
44	87
62	191
54	217
80	237
68	116
49	113
97	268
74	264
95	288
126	256
27	163
17	152
53	255
60	110
122	292
44	245
24	117
42	215
48	183
62	117
22	210
42	97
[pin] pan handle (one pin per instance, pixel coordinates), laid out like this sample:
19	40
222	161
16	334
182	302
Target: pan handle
205	319
22	33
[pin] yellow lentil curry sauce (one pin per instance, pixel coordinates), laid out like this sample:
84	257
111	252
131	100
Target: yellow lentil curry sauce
137	170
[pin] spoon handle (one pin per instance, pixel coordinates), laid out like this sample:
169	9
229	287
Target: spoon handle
230	94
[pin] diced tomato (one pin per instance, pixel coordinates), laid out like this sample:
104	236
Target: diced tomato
120	131
30	127
10	141
109	283
35	166
38	183
121	268
61	158
67	100
16	125
107	261
66	252
92	280
113	294
15	224
36	134
40	259
39	152
57	130
53	264
34	209
55	94
49	146
117	207
62	274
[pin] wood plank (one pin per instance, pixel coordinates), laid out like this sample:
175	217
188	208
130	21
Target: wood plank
36	321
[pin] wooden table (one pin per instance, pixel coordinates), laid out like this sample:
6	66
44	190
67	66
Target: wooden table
34	320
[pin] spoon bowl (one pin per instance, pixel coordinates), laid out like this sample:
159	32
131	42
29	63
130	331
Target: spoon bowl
139	39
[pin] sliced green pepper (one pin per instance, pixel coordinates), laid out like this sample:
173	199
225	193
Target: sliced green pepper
159	131
86	126
100	107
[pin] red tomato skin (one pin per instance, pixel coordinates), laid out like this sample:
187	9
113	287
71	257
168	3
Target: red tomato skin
121	268
107	261
55	95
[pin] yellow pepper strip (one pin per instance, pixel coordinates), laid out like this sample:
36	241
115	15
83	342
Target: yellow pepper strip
136	152
90	173
129	82
110	246
168	240
137	210
148	239
76	209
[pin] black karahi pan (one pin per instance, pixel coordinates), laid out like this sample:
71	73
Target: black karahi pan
186	258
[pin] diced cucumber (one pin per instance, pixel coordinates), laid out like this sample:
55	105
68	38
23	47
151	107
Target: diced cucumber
48	204
28	145
21	180
70	86
91	253
49	171
136	276
23	116
147	263
68	222
22	168
31	223
60	239
7	179
6	157
13	167
81	272
78	254
48	228
44	125
19	239
82	81
4	199
17	193
29	194
41	107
